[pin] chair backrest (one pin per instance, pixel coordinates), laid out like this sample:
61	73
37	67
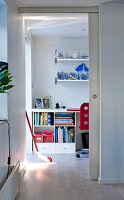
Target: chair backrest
84	116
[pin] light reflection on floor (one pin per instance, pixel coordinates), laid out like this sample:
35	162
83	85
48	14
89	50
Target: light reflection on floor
40	165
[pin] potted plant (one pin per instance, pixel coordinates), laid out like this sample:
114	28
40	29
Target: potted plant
5	79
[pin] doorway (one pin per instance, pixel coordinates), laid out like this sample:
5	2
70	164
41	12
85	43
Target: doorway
93	72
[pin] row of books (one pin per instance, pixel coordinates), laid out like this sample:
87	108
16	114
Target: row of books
64	135
42	119
64	118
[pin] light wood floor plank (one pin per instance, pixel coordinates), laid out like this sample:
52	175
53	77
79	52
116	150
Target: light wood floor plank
65	179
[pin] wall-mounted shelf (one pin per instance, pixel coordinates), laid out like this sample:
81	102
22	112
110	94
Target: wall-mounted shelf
72	80
57	80
71	60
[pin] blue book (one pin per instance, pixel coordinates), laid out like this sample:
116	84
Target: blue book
34	119
63	135
56	135
66	134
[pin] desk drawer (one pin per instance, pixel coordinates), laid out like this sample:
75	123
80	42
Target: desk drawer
65	148
46	148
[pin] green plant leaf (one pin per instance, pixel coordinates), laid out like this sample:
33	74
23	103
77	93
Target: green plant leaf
5	79
8	87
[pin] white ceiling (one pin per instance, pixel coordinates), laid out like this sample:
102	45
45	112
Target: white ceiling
60	25
64	3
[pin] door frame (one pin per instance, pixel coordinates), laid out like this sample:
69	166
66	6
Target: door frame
94	81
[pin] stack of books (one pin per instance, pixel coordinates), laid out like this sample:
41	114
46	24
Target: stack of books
41	119
64	119
64	135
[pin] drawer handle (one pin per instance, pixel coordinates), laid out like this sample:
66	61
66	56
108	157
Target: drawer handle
64	147
44	148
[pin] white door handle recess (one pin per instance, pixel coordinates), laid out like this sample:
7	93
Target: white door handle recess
94	96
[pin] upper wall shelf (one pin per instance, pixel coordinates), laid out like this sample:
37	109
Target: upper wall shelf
71	60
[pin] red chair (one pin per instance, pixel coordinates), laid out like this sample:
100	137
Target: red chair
84	125
84	117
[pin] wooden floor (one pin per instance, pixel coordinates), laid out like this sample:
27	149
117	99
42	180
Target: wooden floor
65	179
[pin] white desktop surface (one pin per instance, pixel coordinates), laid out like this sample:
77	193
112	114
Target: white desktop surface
56	110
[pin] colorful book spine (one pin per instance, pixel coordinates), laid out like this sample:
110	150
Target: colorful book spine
44	119
34	118
64	135
64	119
56	135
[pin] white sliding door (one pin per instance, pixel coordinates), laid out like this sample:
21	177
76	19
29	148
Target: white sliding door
94	95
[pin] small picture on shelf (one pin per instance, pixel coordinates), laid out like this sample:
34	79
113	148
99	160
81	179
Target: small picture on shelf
38	103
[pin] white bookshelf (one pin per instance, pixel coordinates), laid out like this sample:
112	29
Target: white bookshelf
54	148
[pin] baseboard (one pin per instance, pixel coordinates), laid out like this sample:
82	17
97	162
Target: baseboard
23	172
107	181
12	184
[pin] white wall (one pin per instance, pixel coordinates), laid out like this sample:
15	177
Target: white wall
28	91
16	97
112	95
3	33
3	56
45	70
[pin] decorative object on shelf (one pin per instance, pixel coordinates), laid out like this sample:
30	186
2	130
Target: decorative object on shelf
49	119
83	72
61	75
46	102
38	103
82	67
60	53
73	76
73	54
57	105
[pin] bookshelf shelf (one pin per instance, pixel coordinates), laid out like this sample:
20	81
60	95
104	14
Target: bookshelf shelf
44	126
64	125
